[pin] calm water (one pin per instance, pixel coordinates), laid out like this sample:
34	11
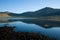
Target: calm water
33	25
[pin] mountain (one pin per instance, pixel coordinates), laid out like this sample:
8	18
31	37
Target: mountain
47	11
4	14
28	14
44	12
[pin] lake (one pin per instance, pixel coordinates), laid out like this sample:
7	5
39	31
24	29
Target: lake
49	28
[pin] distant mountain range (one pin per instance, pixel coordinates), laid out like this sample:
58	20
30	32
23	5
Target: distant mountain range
47	11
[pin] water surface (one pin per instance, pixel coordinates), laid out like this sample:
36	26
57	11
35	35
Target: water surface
34	25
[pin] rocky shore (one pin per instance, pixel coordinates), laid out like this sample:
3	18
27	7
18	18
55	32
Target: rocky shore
7	33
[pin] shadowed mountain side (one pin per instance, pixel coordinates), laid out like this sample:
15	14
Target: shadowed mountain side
47	11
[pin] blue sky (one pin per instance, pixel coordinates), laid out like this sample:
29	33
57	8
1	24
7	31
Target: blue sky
19	6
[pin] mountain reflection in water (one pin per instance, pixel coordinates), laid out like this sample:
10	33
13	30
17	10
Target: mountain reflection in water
43	23
50	28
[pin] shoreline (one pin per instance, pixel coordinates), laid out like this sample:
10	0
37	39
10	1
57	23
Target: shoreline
9	34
